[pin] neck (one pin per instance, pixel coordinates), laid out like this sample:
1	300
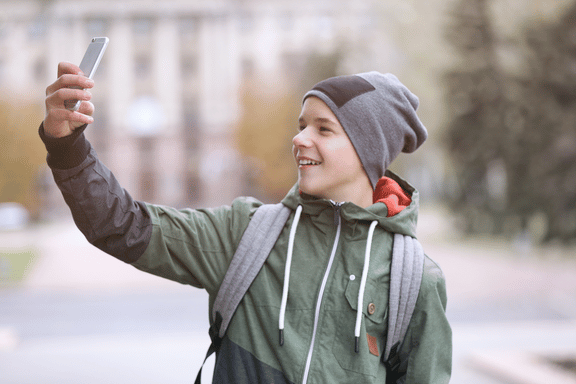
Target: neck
362	196
365	199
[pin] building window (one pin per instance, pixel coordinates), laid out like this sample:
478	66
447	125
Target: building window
286	21
3	29
147	185
143	27
191	137
293	63
142	66
96	27
147	175
40	70
99	129
193	185
366	22
325	26
246	23
191	128
188	27
247	68
189	65
38	28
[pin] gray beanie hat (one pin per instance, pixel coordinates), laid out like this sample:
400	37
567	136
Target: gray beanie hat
379	115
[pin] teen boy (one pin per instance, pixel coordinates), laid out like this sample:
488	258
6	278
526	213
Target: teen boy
344	204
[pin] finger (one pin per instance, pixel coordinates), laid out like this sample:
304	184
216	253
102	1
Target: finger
65	67
70	81
58	98
81	118
86	108
61	122
63	115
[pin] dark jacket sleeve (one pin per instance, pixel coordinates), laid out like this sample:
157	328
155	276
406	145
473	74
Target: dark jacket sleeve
103	211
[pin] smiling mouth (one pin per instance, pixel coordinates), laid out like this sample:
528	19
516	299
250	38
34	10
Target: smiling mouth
308	162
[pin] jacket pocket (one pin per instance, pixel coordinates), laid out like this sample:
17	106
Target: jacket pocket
373	327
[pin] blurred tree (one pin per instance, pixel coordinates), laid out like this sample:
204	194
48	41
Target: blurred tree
513	140
264	138
270	121
548	141
475	137
21	153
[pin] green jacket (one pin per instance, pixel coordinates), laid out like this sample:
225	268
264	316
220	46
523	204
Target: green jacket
195	247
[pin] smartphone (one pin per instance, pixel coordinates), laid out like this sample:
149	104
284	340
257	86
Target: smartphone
89	64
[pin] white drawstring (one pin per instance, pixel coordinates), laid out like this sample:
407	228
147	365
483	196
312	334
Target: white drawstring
363	286
287	273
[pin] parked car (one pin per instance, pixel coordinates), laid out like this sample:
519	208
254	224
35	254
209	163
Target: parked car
13	216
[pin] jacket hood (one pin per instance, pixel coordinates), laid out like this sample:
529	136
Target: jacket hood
403	222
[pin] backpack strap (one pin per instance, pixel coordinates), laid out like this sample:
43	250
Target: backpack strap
255	246
253	250
405	279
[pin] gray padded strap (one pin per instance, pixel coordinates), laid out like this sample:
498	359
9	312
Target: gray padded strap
255	246
405	279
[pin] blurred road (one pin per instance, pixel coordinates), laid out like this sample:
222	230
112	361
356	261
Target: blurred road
83	317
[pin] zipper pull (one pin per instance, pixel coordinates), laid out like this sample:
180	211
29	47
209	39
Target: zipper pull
337	207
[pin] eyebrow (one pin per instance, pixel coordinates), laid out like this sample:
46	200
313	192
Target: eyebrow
321	120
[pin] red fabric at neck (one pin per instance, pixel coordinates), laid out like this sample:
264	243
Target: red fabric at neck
391	193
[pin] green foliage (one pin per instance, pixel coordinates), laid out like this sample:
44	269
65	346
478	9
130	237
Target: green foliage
21	153
14	265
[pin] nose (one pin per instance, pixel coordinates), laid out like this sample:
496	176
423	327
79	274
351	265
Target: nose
302	139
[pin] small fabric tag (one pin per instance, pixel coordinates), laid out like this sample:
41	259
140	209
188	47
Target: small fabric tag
373	345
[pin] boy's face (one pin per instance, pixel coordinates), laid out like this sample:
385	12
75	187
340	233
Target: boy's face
328	165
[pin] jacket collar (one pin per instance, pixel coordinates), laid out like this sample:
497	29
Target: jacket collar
403	222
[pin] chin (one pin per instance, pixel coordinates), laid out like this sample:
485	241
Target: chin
306	189
311	192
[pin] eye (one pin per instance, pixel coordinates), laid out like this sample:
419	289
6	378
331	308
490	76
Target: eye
301	127
324	129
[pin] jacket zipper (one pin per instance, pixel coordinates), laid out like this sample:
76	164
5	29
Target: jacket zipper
338	223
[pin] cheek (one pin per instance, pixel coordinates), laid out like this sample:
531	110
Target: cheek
346	155
356	160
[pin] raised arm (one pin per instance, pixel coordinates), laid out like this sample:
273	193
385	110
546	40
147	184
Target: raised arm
189	246
103	211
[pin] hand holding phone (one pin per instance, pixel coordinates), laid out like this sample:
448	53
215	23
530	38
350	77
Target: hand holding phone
89	64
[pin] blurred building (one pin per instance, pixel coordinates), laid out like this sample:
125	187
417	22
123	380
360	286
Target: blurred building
167	97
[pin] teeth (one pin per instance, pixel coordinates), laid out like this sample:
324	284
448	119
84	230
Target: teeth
308	162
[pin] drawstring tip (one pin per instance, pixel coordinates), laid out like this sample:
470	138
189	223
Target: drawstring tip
356	344
281	336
